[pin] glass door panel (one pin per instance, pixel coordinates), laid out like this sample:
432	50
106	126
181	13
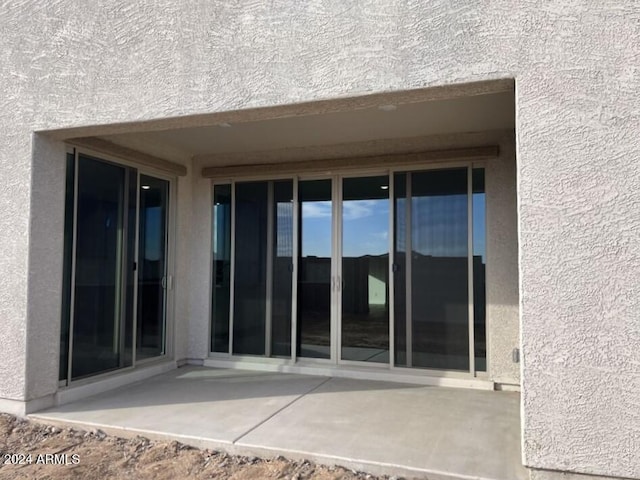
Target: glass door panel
314	266
263	213
401	290
365	269
432	224
152	267
103	291
250	273
479	270
221	274
282	261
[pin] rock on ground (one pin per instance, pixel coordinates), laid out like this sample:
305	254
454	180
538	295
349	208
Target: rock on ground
34	451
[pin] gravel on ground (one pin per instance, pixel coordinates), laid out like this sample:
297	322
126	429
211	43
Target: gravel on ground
30	450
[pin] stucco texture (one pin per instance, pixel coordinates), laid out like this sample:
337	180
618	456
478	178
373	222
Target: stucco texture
576	65
503	329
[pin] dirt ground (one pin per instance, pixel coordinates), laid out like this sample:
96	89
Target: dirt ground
29	450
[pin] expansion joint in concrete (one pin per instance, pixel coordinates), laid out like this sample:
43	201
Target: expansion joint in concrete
302	395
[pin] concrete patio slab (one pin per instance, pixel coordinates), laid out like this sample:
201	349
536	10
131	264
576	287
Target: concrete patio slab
379	427
190	403
460	433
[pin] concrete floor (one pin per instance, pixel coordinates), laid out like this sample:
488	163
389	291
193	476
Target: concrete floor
378	427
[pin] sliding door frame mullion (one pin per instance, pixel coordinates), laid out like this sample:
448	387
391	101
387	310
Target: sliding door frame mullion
74	242
408	286
391	284
121	250
169	272
336	259
472	363
134	337
233	265
294	273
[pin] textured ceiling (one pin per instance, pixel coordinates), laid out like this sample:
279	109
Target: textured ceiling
468	114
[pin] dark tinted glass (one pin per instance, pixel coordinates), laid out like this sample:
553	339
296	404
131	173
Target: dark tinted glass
221	276
400	225
250	283
439	269
154	198
101	341
479	269
431	284
282	274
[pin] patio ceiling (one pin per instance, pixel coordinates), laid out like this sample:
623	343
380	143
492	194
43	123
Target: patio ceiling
385	121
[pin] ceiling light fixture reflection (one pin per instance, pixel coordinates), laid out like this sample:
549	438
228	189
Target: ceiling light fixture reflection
146	187
384	187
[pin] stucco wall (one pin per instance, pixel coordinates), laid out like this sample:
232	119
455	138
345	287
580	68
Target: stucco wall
200	295
46	237
576	63
183	283
503	320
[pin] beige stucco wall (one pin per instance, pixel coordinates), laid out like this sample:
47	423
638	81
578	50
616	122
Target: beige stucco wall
200	298
183	284
75	64
503	321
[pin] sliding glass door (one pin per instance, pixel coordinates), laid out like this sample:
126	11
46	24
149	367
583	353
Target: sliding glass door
103	288
152	267
382	270
252	269
115	268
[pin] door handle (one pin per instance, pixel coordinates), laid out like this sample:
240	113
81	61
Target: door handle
167	282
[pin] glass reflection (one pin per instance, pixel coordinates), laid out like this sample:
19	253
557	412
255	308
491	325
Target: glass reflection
365	269
102	328
431	311
221	276
282	268
479	269
439	253
154	196
314	278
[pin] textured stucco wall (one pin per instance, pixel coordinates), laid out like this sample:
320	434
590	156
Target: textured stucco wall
75	63
503	320
183	282
556	475
200	295
46	244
